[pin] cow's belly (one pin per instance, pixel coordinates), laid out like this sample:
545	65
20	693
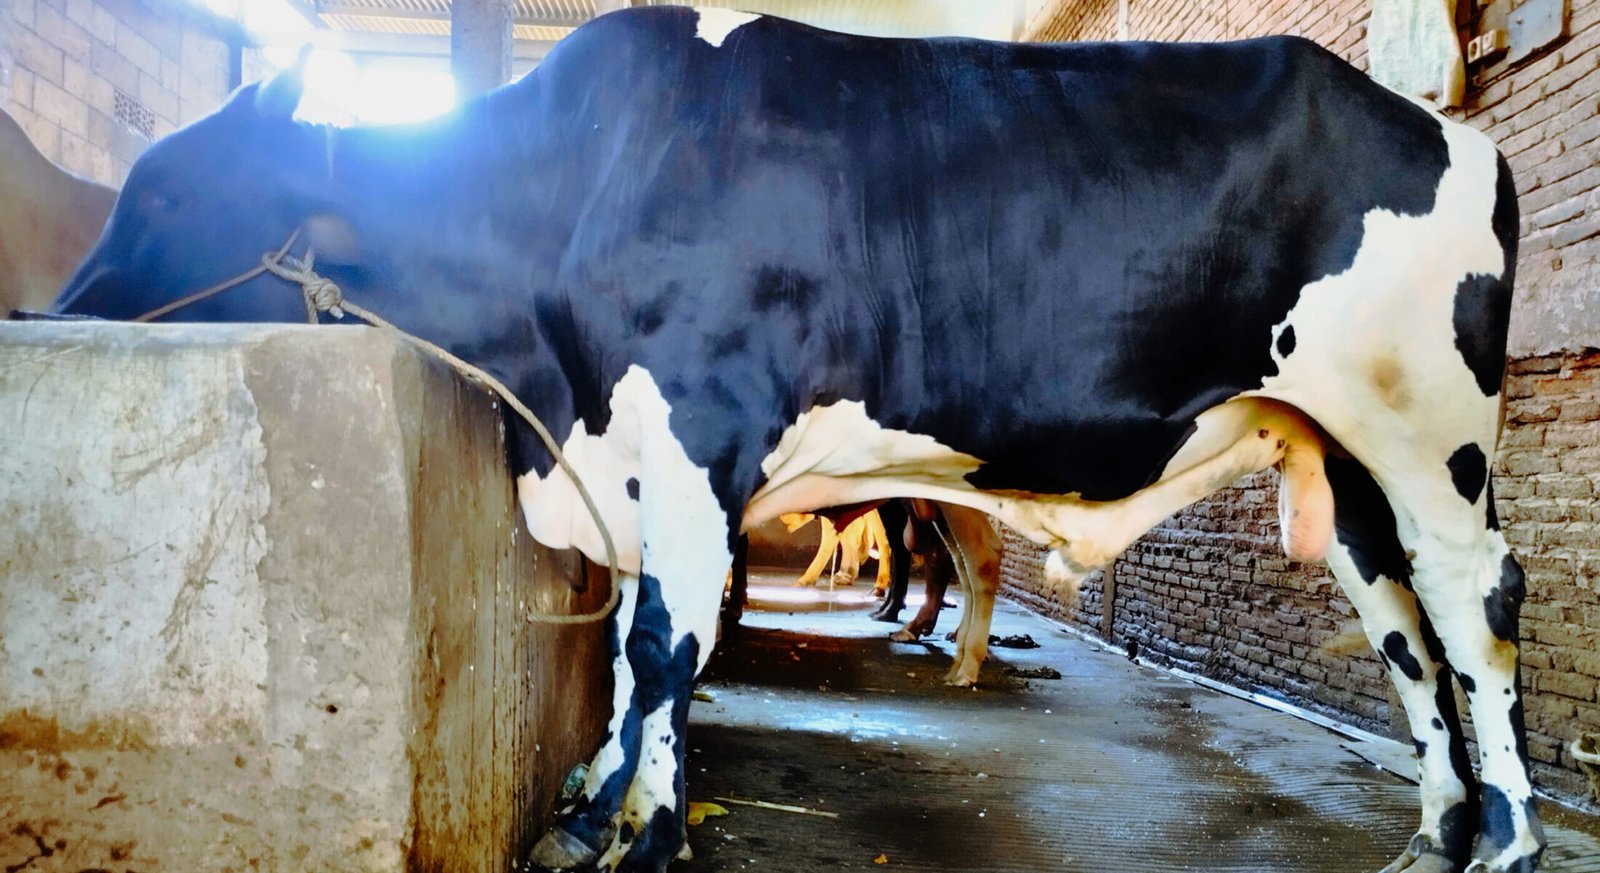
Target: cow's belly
837	455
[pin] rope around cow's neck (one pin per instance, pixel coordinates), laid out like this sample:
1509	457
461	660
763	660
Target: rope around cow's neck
323	295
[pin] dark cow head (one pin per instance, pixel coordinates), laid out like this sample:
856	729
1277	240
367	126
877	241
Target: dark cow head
203	205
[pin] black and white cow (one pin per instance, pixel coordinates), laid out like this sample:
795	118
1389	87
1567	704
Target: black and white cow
1103	281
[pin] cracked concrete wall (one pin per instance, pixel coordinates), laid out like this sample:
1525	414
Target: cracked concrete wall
261	597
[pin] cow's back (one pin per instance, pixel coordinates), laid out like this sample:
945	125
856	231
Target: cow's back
1088	244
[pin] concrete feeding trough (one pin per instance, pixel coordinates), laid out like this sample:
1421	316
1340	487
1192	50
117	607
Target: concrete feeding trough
263	605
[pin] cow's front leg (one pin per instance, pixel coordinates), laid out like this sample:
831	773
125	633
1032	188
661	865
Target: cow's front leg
673	632
584	829
686	540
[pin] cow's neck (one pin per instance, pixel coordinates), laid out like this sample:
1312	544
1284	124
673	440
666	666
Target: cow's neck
454	232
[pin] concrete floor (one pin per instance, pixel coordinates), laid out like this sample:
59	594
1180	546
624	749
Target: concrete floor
1113	767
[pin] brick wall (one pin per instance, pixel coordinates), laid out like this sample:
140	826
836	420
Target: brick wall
94	81
1209	589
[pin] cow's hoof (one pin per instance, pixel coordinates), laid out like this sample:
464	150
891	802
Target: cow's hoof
1422	856
805	583
842	581
903	636
1525	864
559	850
961	679
1409	863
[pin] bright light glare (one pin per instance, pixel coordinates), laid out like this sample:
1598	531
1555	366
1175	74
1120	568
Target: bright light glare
226	8
339	88
393	92
268	18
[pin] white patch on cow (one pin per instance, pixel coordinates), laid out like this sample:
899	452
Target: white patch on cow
834	451
1375	363
715	24
1375	347
556	515
1386	607
836	454
676	533
611	755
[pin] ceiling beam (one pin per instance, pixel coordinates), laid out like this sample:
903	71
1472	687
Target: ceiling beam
416	45
356	10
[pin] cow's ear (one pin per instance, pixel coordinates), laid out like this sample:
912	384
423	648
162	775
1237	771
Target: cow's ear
333	238
277	98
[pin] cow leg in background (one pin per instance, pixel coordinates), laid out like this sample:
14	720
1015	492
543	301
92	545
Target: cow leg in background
895	518
878	538
825	550
738	585
978	556
1371	566
852	549
940	566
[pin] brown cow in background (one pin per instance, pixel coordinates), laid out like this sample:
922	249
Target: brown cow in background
49	219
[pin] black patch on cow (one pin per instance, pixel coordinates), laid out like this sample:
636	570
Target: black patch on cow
1458	828
1469	469
1483	303
1444	703
727	344
1519	729
1468	684
1394	645
1420	745
1364	522
1494	517
1496	824
782	287
1503	603
1384	659
663	836
590	820
1437	724
650	314
663	672
633	487
1286	341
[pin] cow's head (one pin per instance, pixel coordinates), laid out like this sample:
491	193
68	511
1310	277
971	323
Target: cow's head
203	205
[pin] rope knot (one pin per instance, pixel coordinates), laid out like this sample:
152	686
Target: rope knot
323	295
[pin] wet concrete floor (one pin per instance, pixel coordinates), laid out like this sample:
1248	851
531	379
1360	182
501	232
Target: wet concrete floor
1113	767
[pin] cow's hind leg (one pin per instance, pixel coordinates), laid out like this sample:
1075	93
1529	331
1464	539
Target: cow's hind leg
1471	588
1474	597
1367	558
977	549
